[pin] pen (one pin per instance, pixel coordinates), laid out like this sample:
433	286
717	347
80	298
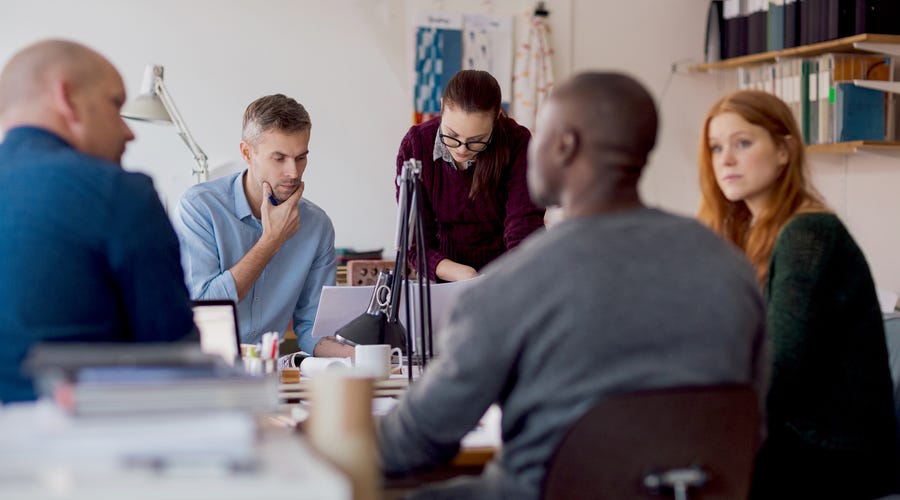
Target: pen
273	200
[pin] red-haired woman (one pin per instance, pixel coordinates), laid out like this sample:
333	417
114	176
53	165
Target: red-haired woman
831	426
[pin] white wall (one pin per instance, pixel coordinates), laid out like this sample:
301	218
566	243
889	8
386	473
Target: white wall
646	38
350	63
863	190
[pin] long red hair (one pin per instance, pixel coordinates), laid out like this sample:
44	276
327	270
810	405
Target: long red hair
791	193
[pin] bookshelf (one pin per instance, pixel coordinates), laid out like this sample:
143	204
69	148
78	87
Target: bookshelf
846	148
863	43
856	43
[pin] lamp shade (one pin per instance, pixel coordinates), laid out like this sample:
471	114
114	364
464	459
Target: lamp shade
148	107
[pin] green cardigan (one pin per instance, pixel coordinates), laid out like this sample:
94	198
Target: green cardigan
831	383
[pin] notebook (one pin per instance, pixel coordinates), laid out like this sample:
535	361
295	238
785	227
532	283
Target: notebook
217	323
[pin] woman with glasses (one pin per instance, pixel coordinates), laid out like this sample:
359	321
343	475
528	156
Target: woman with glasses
831	428
476	202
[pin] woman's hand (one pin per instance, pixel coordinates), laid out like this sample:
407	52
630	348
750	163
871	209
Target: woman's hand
448	270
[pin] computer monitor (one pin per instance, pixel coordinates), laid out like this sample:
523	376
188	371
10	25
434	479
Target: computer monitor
217	323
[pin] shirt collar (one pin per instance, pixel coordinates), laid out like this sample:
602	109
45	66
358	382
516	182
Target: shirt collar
241	205
441	152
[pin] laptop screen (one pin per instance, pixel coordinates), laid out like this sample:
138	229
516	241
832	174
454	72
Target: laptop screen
216	321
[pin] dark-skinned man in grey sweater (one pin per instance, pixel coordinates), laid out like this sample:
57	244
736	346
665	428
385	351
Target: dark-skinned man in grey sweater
617	297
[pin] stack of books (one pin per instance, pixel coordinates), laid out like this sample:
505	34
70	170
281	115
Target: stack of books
165	389
126	405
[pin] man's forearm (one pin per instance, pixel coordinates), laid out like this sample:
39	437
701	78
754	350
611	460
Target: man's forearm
251	265
330	348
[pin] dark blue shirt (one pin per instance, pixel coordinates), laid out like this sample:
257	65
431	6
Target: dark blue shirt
87	254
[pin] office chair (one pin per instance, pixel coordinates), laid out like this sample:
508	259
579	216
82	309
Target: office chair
687	441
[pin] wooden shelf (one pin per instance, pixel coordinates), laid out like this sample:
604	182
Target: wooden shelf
843	148
839	45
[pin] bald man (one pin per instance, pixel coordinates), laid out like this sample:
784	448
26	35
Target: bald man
86	250
617	297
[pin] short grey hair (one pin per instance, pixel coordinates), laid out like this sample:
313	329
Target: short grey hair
274	112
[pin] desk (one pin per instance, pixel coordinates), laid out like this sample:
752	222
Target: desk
476	450
285	467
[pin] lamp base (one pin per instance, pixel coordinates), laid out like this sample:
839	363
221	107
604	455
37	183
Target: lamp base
369	329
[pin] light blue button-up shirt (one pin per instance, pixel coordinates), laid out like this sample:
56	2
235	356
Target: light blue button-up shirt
216	229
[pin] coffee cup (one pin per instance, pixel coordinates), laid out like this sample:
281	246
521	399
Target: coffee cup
375	360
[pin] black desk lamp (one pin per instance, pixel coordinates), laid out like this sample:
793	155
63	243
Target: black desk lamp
380	324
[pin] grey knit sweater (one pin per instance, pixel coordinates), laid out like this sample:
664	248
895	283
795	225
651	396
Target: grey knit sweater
595	306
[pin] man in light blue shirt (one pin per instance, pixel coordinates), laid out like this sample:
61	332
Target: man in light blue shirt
252	238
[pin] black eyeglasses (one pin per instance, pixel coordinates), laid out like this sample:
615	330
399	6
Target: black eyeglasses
474	146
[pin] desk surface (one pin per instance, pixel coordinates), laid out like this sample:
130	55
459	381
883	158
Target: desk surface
476	450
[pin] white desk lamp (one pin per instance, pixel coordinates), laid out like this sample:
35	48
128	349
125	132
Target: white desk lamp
155	104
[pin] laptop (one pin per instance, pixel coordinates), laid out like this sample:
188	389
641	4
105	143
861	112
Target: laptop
338	305
217	323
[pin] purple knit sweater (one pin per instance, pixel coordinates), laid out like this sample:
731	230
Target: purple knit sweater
471	231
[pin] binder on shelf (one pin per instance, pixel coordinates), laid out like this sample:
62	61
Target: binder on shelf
820	26
840	20
892	118
825	101
877	16
735	29
756	11
803	37
791	23
813	102
804	99
792	68
812	21
715	36
775	25
859	113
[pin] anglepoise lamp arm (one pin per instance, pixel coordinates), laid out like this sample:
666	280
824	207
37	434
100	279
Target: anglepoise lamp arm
154	88
201	171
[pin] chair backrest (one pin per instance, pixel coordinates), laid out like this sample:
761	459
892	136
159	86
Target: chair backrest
614	448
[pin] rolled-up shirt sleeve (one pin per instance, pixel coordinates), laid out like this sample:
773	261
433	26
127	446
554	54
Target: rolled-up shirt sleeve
203	270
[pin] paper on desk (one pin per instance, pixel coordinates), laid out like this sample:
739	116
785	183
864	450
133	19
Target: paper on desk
310	367
338	305
487	433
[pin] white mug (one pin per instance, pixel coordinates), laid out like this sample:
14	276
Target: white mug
375	360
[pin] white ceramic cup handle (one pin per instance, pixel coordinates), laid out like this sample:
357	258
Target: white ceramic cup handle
399	358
